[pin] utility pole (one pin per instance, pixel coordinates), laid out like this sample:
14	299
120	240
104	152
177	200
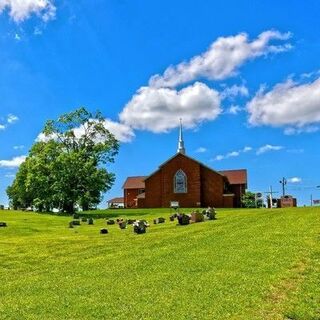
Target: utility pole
283	182
270	194
311	200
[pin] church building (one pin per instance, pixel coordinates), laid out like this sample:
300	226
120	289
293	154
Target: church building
187	181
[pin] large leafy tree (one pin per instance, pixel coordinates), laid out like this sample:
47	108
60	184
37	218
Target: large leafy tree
68	167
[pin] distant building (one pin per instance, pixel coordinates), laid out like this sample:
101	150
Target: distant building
187	181
116	203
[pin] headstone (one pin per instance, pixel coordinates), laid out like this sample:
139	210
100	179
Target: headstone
183	219
140	226
211	213
172	218
84	219
71	224
3	224
75	222
197	216
90	221
110	222
104	231
161	220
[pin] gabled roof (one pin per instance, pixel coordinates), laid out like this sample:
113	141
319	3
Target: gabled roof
134	183
236	176
183	155
116	200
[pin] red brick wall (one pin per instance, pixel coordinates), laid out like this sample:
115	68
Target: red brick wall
238	190
160	186
228	202
212	185
129	197
153	191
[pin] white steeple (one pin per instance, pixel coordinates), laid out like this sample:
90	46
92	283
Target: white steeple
181	148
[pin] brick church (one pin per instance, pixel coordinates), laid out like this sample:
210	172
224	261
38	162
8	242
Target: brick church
187	181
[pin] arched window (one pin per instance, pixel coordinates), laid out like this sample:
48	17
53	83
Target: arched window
180	182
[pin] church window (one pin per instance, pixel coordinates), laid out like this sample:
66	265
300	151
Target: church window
180	182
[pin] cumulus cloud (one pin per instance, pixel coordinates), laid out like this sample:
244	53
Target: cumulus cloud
290	104
268	148
158	109
122	132
2	127
12	163
20	10
222	59
294	180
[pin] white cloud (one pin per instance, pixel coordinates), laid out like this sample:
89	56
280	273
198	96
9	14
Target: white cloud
219	157
232	154
20	10
268	148
295	131
17	37
222	59
2	127
158	109
234	109
122	132
287	104
13	163
294	180
20	147
201	150
246	149
12	118
234	91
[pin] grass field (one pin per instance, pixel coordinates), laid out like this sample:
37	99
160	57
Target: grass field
248	264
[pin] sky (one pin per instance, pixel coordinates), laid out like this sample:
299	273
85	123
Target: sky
244	76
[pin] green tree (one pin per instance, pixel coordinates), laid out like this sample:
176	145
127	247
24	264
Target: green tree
67	168
248	200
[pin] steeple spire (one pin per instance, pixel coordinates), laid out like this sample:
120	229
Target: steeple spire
181	148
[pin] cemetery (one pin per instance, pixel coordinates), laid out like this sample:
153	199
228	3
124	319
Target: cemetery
186	264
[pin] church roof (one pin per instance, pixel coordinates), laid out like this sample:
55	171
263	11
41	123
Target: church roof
181	154
116	200
236	176
134	183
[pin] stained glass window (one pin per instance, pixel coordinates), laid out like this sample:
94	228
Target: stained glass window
180	182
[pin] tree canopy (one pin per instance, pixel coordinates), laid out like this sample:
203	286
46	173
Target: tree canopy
67	166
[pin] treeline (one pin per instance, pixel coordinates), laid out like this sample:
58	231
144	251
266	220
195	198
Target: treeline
66	169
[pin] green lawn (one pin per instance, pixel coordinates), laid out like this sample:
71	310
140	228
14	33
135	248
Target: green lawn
248	264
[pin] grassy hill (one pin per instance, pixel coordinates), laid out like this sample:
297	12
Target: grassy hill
248	264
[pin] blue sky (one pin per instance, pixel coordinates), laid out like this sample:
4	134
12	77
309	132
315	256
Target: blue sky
243	75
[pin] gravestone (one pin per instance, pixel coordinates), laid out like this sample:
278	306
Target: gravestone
104	231
140	226
3	224
90	221
84	219
76	222
197	216
183	219
110	222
